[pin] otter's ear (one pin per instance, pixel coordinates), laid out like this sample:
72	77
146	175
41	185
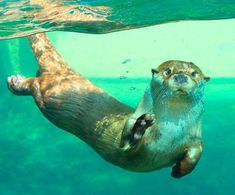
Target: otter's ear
154	71
207	79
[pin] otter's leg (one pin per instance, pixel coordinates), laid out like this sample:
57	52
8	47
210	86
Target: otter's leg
132	138
49	60
20	85
188	162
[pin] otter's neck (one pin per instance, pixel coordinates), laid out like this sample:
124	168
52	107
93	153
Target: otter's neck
177	107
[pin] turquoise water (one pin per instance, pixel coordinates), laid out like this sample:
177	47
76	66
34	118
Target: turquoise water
38	158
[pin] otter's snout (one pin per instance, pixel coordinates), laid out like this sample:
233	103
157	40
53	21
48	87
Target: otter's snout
180	78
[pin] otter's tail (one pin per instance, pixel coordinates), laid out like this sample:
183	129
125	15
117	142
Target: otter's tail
49	60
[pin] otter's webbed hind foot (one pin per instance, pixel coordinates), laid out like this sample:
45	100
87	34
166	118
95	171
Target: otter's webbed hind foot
133	138
188	162
19	85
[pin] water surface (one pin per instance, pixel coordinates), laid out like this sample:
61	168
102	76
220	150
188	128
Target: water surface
23	17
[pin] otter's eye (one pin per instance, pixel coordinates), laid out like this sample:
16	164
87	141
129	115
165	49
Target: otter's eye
194	74
168	72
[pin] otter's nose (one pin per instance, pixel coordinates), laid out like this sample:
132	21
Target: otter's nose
180	78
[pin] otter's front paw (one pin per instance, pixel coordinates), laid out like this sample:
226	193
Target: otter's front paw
14	83
131	141
141	124
145	120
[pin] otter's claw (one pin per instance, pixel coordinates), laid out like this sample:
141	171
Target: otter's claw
146	120
141	124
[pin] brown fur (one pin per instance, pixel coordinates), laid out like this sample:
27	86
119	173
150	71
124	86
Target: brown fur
76	105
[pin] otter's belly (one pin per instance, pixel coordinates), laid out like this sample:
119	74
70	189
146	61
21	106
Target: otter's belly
171	145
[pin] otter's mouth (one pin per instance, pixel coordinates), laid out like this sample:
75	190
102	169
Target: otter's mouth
181	92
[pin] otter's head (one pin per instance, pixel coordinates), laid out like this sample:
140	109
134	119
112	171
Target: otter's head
179	77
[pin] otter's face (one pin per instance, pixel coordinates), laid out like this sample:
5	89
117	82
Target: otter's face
180	77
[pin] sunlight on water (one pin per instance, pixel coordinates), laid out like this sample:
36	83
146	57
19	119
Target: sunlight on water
21	18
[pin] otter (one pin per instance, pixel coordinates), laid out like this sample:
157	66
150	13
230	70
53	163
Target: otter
164	130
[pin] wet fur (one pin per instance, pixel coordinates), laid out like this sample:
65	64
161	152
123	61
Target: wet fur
76	105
